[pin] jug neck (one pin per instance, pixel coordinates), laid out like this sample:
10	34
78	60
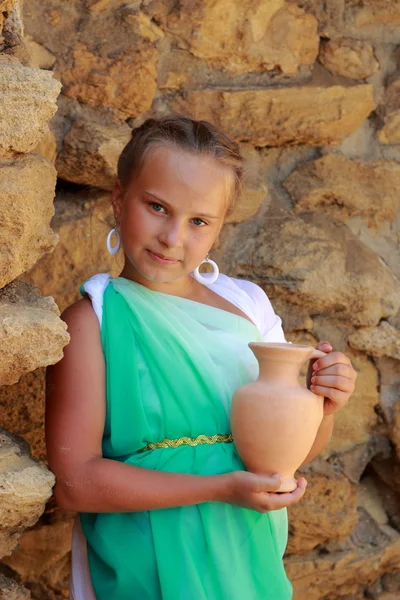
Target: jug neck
280	362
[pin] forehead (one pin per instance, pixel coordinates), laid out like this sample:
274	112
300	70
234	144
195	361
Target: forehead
175	175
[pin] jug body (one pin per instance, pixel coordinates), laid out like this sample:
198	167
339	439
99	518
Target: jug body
274	420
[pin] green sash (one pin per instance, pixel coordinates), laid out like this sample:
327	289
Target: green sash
172	366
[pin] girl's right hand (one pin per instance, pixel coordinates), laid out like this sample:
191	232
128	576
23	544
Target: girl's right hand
259	492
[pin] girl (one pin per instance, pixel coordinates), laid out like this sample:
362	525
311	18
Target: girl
154	358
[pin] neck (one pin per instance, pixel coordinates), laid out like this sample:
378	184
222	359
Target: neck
182	287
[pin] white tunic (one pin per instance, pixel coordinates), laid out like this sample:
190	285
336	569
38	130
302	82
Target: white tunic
246	296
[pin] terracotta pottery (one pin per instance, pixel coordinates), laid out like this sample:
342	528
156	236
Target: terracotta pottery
275	419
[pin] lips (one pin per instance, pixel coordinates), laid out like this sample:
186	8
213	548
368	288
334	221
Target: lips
161	258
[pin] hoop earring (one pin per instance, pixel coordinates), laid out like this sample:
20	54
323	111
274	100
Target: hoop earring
113	249
207	280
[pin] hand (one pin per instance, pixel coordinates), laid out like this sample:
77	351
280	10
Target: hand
333	377
258	492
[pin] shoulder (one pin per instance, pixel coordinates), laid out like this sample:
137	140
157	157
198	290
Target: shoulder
80	317
249	291
258	305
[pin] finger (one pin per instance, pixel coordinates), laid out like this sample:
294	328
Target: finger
333	381
277	501
338	397
331	359
265	483
341	369
324	346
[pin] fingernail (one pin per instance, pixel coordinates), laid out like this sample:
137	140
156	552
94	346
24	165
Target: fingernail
315	365
312	387
313	379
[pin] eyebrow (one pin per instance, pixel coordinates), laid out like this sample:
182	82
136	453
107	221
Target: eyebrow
169	206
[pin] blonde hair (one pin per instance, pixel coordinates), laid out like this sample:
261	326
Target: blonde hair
199	137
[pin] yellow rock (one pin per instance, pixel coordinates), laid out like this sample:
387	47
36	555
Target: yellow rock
31	333
27	191
28	103
347	188
248	35
281	116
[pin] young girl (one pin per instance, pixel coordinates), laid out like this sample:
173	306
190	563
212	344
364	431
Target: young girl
137	419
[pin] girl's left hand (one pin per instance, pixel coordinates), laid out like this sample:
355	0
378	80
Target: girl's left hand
333	377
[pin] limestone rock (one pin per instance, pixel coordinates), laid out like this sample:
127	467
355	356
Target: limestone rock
249	35
82	223
350	58
328	510
383	340
41	58
27	190
254	188
122	84
10	590
369	552
347	188
22	410
31	333
390	114
43	552
313	263
47	147
108	59
369	498
355	424
25	485
376	19
268	118
28	103
90	153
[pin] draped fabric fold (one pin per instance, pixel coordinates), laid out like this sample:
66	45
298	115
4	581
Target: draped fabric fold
172	366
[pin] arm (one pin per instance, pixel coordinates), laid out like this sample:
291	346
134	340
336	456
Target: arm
87	482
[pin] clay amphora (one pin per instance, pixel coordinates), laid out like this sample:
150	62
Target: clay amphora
275	419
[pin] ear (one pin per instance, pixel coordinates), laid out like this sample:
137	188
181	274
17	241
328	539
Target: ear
117	200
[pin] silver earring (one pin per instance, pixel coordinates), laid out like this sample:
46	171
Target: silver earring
207	280
113	249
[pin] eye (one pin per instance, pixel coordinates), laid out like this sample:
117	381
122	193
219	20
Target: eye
198	222
157	207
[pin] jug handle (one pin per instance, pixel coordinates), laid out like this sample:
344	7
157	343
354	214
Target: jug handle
316	354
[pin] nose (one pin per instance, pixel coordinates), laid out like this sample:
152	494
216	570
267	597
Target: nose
172	234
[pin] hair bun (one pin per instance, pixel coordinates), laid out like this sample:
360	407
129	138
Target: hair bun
145	126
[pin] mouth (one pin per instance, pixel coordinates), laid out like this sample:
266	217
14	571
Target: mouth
160	258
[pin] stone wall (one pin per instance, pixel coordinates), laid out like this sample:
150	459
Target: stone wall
310	90
31	333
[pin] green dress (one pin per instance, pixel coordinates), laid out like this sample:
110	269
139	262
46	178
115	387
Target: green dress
172	366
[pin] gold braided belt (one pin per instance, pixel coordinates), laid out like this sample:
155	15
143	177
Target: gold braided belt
200	440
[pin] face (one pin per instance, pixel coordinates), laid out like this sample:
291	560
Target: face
171	214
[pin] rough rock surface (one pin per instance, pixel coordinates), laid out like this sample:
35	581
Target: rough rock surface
347	188
31	334
312	263
27	190
28	103
25	486
323	115
82	223
389	112
90	152
115	70
337	572
255	36
383	340
9	590
327	512
350	58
